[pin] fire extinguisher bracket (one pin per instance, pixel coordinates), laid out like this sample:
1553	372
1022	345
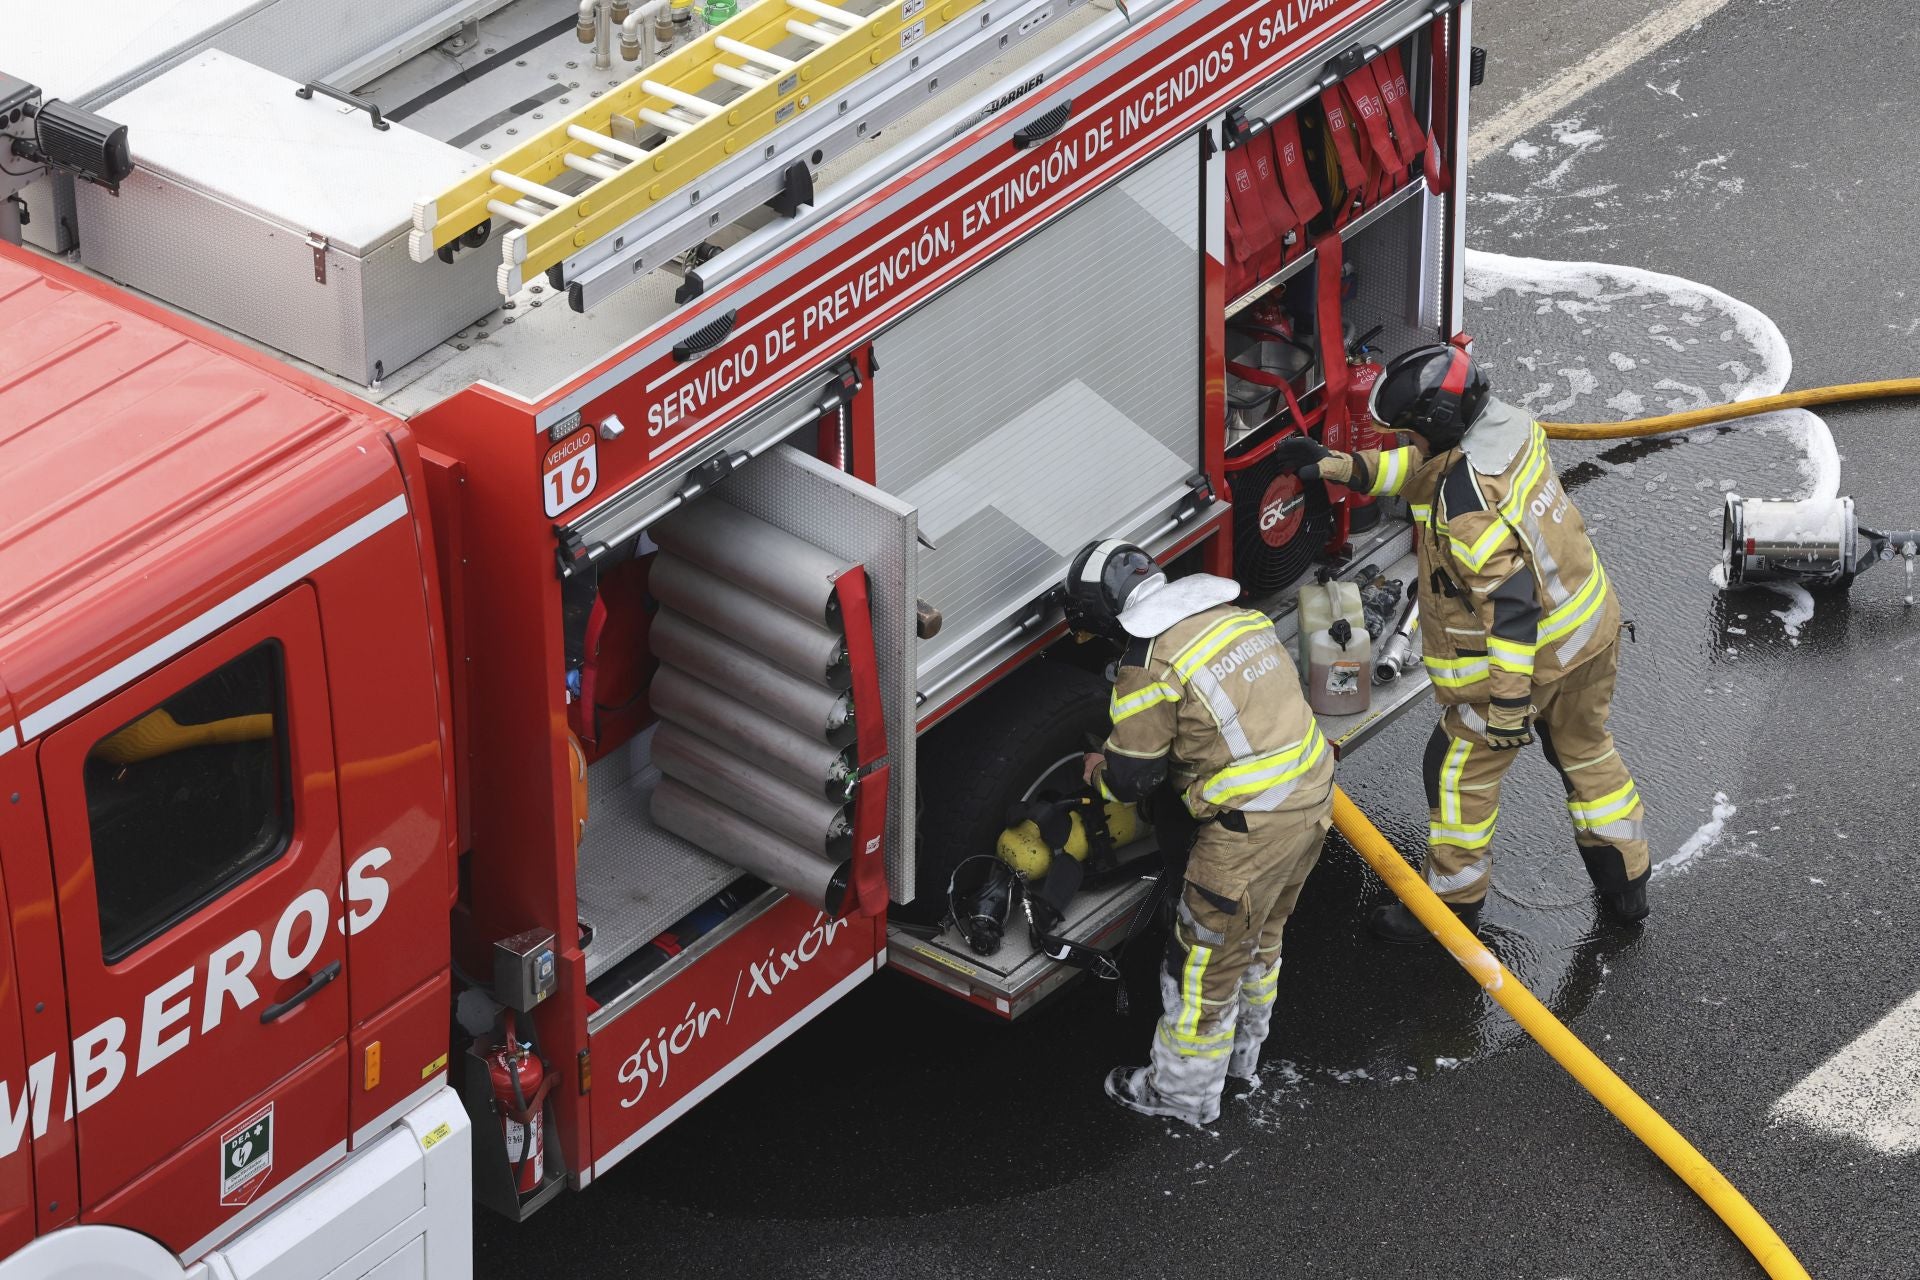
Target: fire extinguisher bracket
493	1185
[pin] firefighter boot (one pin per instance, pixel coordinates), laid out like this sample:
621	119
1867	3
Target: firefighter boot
1394	923
1625	900
1132	1088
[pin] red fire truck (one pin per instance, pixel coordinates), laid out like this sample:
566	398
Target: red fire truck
529	535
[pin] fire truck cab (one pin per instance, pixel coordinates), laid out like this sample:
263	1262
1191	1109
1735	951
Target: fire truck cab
529	553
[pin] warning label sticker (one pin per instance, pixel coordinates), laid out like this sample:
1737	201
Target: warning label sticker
246	1157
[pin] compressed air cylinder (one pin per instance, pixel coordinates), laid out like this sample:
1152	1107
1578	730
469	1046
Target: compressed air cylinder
770	562
813	710
754	736
744	844
789	641
806	818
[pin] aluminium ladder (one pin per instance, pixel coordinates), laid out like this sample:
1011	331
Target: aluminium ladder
597	149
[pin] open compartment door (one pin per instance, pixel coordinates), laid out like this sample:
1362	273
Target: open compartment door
858	524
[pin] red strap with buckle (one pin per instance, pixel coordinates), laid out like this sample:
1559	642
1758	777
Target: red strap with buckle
1407	134
1294	179
1353	170
1333	340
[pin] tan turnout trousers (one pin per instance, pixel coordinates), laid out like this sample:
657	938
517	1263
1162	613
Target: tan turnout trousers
1463	784
1223	957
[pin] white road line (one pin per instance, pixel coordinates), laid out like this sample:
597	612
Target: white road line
1869	1091
1657	29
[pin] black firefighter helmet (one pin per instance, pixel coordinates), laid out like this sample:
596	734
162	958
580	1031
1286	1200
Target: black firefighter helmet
1438	391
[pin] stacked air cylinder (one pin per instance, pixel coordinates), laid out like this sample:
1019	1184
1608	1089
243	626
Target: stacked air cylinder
756	733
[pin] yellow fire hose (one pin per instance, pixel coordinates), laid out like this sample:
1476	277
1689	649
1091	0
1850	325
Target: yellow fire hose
1552	1035
1812	397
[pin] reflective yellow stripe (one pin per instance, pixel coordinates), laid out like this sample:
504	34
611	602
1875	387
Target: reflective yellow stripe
1475	557
1270	770
1598	813
1529	476
1188	1025
1215	1046
1569	616
1469	835
1450	771
1456	673
1133	704
1505	655
1214	639
1263	989
1395	466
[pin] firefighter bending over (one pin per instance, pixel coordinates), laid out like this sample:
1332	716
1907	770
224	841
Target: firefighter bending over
1207	700
1518	624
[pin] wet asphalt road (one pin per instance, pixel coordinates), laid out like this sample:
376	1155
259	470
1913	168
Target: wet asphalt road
1404	1128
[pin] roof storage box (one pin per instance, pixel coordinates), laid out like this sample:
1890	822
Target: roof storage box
283	217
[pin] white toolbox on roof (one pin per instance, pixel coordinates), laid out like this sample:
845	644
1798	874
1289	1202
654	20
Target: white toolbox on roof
283	217
90	54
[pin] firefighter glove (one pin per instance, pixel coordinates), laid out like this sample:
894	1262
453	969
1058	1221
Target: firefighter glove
1301	455
1509	727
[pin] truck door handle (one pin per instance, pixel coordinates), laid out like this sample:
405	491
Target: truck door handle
304	994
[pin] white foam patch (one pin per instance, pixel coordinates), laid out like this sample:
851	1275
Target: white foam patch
1701	840
1799	610
1869	1091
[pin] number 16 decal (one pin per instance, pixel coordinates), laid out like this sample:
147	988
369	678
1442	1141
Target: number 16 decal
570	471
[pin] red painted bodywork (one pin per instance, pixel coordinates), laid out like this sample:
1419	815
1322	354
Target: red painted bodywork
151	473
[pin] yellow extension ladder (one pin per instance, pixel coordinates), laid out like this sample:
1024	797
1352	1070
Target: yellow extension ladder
693	109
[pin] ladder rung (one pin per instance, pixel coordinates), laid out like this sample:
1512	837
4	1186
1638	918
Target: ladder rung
807	31
745	77
612	146
514	182
672	124
513	213
832	12
681	98
592	168
697	138
771	61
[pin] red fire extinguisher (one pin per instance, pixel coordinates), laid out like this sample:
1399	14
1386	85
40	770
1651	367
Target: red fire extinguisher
520	1085
1363	371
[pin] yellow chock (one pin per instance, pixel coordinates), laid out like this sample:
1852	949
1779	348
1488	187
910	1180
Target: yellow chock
1628	1107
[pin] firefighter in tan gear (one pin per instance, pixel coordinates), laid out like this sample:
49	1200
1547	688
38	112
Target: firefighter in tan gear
1519	627
1208	718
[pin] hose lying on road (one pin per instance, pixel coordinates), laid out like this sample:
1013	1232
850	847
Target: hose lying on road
1552	1035
1812	397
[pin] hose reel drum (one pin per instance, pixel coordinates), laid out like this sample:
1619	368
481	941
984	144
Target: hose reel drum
1816	542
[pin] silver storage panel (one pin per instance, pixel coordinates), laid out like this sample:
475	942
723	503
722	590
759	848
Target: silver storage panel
287	222
1051	398
797	492
91	54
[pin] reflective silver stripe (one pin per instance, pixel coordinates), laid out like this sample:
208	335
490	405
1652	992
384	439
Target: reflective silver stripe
1573	644
1623	829
1458	880
1225	714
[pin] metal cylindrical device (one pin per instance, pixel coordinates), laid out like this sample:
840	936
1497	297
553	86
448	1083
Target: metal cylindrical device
806	649
814	710
735	840
1396	655
810	821
1817	540
770	562
751	734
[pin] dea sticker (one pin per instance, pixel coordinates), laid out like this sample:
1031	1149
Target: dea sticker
246	1157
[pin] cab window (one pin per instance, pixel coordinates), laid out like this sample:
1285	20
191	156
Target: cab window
189	799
